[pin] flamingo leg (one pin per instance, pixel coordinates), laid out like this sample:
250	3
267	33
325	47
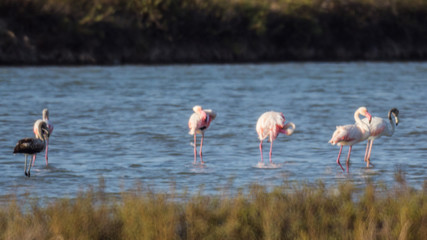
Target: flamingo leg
201	145
195	148
347	163
47	146
260	150
369	154
338	159
34	160
271	150
29	168
25	169
367	150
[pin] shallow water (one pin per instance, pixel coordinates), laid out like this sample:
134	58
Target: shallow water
128	124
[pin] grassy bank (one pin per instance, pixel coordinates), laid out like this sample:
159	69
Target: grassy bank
173	31
297	212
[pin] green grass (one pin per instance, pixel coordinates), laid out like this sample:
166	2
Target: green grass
296	211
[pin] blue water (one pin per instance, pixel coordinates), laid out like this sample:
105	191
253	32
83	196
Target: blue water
128	125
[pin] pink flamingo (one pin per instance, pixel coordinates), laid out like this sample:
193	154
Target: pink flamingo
198	123
271	124
33	145
45	115
379	127
351	134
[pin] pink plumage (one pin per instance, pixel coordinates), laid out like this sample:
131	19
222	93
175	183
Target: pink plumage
351	134
348	135
198	123
270	124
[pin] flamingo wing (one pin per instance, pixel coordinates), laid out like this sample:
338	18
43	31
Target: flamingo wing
29	146
193	123
377	127
270	124
200	121
346	135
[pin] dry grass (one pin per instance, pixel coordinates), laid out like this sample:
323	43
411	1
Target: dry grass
287	212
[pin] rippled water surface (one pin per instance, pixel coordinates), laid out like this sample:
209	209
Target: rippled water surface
128	124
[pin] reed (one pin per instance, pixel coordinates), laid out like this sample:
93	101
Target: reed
298	211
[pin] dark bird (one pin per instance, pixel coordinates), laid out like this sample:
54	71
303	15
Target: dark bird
33	145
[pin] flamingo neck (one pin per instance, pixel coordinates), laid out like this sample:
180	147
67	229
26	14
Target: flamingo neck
288	128
45	116
38	132
42	137
362	125
392	123
357	118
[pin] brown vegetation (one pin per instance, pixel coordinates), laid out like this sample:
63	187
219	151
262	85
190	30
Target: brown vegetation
175	31
287	212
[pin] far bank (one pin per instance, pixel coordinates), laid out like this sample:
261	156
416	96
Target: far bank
62	32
